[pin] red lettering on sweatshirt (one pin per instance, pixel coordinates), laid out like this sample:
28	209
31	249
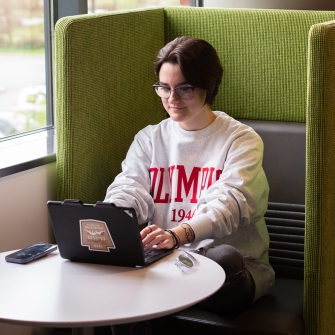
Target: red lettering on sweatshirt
218	174
171	169
186	184
207	179
158	198
176	184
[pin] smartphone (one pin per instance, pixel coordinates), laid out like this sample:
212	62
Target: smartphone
31	253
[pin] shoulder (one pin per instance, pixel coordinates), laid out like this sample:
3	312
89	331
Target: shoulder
151	131
234	127
153	136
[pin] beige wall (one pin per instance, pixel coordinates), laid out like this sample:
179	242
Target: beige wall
8	329
23	210
24	219
273	4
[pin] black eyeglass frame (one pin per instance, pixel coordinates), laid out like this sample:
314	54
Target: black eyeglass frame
157	85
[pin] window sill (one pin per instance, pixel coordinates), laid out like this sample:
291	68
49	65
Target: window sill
27	151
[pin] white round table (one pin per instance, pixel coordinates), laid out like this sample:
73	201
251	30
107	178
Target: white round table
53	292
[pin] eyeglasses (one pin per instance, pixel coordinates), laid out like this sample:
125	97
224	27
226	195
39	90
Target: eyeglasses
183	92
185	262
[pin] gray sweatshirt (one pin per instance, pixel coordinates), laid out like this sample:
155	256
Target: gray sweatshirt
210	178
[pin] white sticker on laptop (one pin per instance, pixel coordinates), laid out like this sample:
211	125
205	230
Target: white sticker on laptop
95	235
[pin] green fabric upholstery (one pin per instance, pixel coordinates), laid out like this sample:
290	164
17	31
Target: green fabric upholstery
263	54
276	68
104	96
320	182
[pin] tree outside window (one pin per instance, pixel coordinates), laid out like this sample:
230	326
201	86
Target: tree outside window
22	67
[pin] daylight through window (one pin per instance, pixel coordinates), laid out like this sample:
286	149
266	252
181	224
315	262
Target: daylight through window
96	6
22	67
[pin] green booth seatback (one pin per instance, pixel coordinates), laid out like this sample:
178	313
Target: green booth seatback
279	65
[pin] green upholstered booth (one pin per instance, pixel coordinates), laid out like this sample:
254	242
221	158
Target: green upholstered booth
279	65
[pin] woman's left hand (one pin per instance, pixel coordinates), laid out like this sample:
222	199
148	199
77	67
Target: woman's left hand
153	235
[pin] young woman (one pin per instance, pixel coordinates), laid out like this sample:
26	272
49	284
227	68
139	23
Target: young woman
198	175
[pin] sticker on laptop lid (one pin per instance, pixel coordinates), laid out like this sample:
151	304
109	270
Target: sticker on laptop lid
95	235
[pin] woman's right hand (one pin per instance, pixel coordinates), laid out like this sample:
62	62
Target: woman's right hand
154	236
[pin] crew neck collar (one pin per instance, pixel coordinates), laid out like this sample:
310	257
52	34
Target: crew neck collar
202	133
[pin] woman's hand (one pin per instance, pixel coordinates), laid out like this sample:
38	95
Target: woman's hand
153	235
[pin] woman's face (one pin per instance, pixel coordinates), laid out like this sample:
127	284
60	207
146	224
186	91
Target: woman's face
191	114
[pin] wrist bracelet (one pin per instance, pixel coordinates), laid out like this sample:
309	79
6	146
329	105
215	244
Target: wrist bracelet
175	237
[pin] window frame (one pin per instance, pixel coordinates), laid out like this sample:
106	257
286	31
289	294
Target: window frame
17	145
18	152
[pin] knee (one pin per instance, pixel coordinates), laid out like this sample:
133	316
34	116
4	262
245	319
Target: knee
228	257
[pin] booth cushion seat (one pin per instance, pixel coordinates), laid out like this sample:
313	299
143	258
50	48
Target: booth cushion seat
279	312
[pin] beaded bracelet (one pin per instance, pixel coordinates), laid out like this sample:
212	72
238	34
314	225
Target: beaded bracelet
175	237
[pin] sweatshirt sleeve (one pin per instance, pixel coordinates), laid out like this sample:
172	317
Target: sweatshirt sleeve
131	188
240	196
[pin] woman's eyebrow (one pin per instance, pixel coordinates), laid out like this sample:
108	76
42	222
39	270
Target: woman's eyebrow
165	84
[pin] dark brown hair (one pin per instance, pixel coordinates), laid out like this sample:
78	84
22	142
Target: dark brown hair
198	61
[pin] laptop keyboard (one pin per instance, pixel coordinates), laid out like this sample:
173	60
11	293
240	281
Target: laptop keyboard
152	253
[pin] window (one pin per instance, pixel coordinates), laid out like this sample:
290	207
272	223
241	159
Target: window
26	92
23	104
96	6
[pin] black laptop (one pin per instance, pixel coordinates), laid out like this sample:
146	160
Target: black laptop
100	233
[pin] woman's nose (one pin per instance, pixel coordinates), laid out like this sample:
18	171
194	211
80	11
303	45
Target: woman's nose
174	96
